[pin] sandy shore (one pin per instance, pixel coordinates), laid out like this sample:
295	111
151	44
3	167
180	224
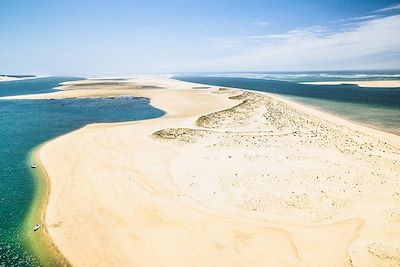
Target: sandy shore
383	84
227	178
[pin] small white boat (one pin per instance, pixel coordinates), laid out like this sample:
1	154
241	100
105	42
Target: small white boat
33	166
37	226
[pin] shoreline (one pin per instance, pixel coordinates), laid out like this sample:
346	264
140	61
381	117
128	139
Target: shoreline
343	117
170	117
49	255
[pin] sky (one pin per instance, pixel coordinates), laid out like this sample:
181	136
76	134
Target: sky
105	37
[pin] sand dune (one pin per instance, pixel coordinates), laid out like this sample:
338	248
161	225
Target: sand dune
227	178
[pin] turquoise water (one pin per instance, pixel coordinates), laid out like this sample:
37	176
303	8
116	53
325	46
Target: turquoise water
27	123
377	107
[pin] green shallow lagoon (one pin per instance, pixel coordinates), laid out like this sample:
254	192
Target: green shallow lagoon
25	124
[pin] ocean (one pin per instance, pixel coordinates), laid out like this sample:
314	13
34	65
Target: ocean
25	124
375	107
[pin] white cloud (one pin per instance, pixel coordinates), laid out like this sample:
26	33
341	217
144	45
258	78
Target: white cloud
373	43
261	23
389	8
361	18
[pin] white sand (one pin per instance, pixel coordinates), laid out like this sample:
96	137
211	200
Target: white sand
387	84
248	181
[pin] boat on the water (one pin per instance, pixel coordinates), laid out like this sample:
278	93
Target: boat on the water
37	226
33	166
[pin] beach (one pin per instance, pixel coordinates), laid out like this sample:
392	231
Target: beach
227	177
382	84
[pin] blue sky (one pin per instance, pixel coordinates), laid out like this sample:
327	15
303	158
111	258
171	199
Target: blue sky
122	37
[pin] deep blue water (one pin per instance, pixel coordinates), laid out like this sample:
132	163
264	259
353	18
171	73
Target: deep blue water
24	124
378	107
32	86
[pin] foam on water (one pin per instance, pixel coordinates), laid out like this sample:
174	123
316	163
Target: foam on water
311	76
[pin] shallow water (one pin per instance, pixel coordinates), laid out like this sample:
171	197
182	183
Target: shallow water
27	123
377	107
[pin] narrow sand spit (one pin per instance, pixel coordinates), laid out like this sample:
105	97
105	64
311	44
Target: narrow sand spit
227	178
6	79
361	83
10	78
